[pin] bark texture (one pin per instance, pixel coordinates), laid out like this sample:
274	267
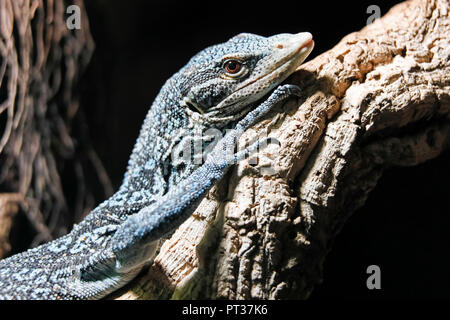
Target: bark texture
380	98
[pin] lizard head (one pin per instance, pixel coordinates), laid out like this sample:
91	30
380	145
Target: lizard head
221	81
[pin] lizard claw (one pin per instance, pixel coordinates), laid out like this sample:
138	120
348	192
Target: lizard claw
292	89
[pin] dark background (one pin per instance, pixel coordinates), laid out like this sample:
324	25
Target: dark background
140	44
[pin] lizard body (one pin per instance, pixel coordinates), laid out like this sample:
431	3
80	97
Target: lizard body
218	87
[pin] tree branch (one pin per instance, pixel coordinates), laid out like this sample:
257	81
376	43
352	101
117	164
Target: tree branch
380	98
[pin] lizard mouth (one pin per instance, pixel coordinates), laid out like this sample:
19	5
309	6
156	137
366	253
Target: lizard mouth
300	55
289	56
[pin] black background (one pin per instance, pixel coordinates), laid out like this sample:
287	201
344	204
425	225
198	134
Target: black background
139	44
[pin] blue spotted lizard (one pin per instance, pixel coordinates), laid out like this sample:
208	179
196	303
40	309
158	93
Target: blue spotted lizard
220	87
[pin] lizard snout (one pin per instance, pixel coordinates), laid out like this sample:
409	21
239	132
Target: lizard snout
294	43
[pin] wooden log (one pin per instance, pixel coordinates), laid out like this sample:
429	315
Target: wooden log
378	99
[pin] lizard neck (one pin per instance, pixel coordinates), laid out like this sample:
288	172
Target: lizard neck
151	170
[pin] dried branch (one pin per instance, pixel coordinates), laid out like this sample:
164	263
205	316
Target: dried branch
380	98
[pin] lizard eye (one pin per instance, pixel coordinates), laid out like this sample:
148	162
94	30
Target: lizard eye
232	66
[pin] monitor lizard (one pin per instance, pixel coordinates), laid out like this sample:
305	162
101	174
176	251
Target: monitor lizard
220	87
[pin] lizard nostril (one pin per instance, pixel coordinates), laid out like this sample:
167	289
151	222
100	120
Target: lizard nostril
280	46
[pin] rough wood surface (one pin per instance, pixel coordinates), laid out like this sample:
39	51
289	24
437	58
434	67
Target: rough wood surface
379	98
9	207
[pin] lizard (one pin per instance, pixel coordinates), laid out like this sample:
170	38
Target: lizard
228	85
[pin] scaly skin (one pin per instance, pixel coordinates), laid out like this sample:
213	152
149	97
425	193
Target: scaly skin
111	245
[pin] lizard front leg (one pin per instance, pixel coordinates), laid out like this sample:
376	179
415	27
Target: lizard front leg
134	241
